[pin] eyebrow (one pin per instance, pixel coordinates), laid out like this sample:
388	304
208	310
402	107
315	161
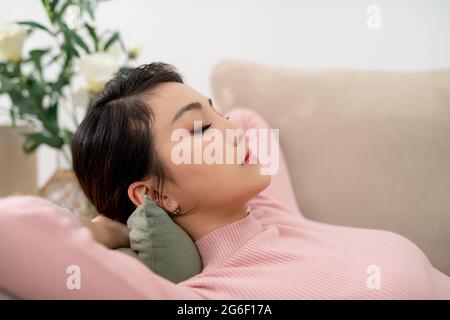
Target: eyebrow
191	106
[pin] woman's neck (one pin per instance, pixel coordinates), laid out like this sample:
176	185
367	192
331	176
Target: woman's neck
201	223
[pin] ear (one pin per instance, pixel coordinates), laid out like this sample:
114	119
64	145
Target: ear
138	189
136	192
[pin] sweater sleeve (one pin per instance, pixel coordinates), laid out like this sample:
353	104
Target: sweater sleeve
280	192
47	254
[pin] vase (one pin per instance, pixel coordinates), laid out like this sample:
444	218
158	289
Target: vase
64	190
18	171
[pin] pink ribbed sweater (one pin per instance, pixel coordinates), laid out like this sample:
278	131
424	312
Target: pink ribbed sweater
273	253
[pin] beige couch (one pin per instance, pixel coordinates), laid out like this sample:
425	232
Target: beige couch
364	149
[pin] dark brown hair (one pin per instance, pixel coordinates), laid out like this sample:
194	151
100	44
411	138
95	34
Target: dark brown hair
113	146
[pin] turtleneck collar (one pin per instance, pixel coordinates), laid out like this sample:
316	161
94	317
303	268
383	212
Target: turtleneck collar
221	243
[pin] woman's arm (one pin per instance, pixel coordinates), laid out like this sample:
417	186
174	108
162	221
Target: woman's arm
47	254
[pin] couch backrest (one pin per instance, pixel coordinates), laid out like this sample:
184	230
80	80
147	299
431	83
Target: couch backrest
364	149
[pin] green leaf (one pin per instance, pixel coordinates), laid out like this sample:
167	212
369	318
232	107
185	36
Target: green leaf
79	41
50	9
34	140
13	115
6	84
63	80
88	7
63	8
9	70
38	53
70	51
111	40
36	91
53	4
75	37
25	105
93	34
50	119
34	25
36	58
67	136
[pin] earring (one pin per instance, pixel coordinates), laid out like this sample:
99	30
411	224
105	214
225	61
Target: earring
169	204
177	212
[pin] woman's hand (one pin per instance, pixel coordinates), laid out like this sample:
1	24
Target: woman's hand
108	232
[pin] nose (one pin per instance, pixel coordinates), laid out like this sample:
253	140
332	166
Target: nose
246	141
238	138
237	132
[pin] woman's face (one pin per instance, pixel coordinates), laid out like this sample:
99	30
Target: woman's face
201	186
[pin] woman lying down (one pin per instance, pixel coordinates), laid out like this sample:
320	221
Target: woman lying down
253	240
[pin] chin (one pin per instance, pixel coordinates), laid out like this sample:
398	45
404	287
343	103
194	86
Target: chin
266	179
255	182
260	182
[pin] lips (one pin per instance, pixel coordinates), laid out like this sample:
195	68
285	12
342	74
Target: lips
247	157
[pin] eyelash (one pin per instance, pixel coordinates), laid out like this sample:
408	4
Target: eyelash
204	128
207	126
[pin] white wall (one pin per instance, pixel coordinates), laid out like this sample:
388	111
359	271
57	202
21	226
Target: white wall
193	35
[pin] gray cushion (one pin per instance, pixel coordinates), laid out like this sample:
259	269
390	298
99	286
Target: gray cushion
161	244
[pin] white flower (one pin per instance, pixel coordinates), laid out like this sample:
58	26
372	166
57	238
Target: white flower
12	37
115	50
135	50
97	69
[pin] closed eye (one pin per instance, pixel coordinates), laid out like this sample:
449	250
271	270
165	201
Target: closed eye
203	129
